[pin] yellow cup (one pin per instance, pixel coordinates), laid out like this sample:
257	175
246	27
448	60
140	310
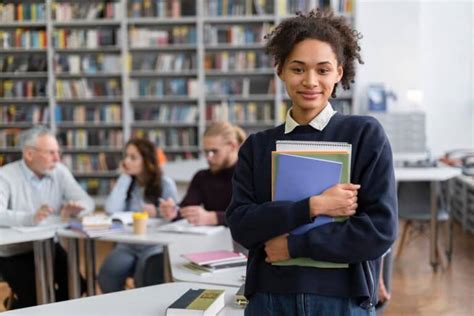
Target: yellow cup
139	222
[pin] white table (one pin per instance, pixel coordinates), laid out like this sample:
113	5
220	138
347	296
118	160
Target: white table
434	175
43	254
146	301
174	244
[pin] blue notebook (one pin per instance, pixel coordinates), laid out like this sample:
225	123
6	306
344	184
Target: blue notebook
299	177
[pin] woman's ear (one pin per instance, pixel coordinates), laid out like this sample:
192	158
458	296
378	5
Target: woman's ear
340	72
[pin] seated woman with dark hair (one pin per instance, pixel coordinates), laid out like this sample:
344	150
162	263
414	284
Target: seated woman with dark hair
139	188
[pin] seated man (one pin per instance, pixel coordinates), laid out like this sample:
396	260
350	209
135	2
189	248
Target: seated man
32	189
210	190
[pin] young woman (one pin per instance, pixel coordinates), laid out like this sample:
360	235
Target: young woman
314	53
139	188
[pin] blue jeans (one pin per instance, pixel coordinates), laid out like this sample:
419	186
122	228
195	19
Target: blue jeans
127	260
262	304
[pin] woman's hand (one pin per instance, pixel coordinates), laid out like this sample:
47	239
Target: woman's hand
339	200
150	209
168	209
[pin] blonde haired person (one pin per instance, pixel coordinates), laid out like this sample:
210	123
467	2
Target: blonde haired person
210	190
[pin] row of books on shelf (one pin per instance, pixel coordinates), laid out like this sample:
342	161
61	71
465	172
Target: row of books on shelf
86	38
82	138
9	137
236	60
23	63
238	7
67	11
170	137
97	186
88	163
22	88
167	113
86	63
87	88
89	113
235	34
10	157
239	112
163	62
240	86
164	87
23	38
19	11
30	113
142	37
161	8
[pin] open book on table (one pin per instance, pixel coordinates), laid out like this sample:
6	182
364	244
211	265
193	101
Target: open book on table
183	226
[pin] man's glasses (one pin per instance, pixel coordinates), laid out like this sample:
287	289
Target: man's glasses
209	153
49	152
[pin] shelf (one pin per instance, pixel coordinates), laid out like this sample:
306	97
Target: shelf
70	125
18	124
249	72
162	99
23	75
170	47
86	23
250	46
23	100
158	73
91	150
170	149
161	21
85	50
16	24
104	75
10	150
96	174
235	97
157	124
22	50
236	19
92	100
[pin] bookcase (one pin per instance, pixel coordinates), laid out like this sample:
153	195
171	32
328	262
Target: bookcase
99	72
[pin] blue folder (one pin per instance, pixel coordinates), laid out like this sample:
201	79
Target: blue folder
299	177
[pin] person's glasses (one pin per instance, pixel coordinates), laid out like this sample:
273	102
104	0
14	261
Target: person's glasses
209	153
49	152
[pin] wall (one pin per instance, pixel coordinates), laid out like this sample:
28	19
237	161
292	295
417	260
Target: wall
402	48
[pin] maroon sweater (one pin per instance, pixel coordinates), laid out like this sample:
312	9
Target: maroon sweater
211	190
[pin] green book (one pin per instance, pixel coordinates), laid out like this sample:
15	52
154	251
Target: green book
337	152
203	302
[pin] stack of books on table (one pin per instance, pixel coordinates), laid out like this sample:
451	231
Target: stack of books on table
211	261
95	225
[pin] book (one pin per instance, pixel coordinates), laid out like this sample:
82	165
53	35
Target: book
125	218
213	257
204	302
184	227
303	168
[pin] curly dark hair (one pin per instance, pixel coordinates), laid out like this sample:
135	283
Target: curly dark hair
323	25
151	170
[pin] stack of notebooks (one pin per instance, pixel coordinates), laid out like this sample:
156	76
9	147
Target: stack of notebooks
211	261
95	226
301	169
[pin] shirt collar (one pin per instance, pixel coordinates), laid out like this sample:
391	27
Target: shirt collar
30	175
319	122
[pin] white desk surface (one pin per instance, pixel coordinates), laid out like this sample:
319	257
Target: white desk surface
151	300
219	241
426	174
12	236
183	171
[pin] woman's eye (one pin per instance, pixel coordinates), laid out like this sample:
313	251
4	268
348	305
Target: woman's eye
297	70
323	71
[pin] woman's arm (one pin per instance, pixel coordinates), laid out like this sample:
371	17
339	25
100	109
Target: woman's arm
116	200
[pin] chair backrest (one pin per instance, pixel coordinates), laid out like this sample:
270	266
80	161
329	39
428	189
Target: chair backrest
414	201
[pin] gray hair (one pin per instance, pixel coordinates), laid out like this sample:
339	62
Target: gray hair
29	137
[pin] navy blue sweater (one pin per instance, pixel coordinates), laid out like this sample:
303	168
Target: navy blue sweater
360	241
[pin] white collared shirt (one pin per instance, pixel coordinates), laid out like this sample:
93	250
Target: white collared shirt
319	122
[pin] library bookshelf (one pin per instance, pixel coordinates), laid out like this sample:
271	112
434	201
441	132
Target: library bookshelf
100	72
